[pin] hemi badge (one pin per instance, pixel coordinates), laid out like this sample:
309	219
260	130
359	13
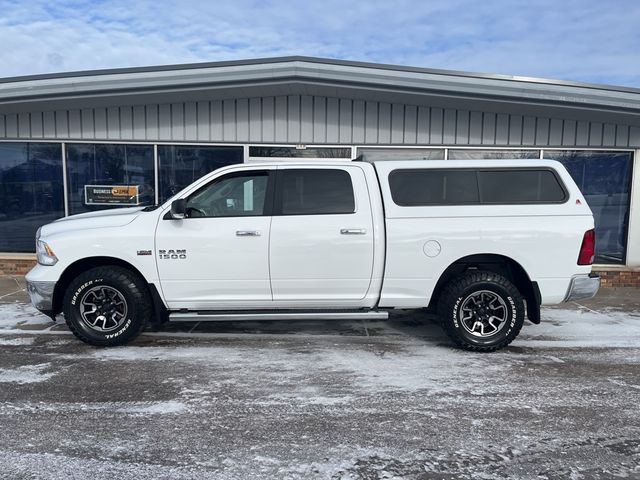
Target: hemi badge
144	252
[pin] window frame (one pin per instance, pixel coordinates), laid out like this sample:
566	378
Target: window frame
480	201
268	199
278	197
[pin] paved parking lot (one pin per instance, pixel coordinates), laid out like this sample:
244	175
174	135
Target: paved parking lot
323	400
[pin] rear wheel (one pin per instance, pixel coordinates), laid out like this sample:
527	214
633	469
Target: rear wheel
481	311
107	306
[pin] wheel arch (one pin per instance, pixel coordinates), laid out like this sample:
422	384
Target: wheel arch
84	264
501	265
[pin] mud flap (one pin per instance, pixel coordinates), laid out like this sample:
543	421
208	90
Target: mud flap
533	304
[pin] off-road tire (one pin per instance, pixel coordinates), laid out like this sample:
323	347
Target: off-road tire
459	289
131	287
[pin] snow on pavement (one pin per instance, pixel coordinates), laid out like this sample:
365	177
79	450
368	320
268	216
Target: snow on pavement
26	374
13	315
323	400
560	327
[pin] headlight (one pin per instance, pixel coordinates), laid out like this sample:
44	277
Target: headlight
45	254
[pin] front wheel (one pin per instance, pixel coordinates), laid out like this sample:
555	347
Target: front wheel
107	306
481	311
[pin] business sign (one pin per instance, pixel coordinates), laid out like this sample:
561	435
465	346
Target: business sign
111	195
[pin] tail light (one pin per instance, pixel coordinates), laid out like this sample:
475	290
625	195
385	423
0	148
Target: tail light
588	248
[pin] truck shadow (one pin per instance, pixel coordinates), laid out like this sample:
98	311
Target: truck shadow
417	324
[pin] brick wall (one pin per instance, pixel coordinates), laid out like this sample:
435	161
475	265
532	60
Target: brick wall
613	277
16	266
619	278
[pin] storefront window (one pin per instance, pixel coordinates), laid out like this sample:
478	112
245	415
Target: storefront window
605	181
471	154
95	170
376	154
101	176
31	192
293	152
180	166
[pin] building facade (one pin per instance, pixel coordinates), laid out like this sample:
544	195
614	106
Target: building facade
66	139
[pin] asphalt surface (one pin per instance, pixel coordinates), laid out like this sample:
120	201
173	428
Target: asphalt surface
344	400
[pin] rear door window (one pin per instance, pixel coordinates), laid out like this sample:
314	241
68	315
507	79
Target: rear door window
314	192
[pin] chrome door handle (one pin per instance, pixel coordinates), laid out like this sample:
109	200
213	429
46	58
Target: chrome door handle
353	231
247	233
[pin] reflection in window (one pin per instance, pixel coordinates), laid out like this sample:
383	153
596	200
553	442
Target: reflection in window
481	154
104	165
376	154
293	152
180	166
31	193
605	180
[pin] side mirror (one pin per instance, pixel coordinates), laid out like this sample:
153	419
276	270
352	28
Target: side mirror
178	209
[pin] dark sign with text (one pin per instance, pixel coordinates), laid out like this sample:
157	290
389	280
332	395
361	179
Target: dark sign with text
111	195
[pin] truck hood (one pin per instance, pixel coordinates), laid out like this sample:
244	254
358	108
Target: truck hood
118	217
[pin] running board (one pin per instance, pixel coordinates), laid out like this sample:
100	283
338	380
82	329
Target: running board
231	317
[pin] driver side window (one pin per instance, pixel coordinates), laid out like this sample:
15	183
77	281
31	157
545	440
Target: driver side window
233	195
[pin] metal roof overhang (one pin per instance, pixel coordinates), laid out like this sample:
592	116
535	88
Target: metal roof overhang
312	76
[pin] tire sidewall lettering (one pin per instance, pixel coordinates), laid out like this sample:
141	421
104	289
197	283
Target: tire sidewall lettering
82	287
456	309
121	331
514	313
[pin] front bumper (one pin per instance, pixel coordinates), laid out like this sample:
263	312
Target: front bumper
41	294
583	286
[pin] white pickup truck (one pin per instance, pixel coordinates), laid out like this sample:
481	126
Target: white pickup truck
483	243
